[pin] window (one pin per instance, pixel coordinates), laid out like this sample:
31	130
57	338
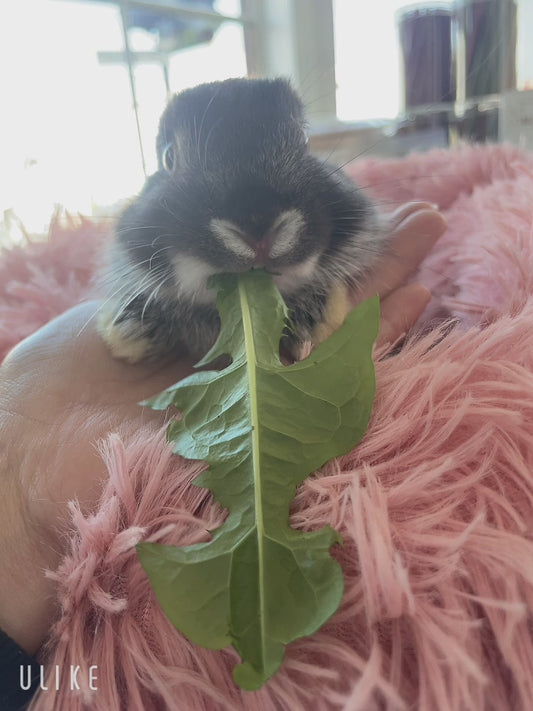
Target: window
67	130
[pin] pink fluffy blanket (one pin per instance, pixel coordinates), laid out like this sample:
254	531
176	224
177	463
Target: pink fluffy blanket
435	506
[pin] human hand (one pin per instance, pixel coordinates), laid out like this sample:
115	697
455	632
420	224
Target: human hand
61	391
415	227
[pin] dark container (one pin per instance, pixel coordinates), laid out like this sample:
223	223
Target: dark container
487	40
426	34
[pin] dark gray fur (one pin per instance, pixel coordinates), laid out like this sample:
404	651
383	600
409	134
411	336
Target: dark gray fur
234	150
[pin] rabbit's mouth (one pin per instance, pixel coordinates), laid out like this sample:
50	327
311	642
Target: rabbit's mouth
191	276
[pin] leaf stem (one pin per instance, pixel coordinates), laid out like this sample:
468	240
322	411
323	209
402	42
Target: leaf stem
251	363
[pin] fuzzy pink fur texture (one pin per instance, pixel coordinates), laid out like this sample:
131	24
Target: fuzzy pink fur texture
435	505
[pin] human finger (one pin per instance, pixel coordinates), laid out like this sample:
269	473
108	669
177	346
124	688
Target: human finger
400	310
417	227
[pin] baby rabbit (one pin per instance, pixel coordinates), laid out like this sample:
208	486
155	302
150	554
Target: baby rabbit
236	189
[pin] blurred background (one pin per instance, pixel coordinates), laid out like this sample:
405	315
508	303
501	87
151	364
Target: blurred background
83	83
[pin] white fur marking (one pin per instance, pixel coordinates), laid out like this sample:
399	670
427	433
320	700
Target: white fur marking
191	276
231	238
294	277
286	228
